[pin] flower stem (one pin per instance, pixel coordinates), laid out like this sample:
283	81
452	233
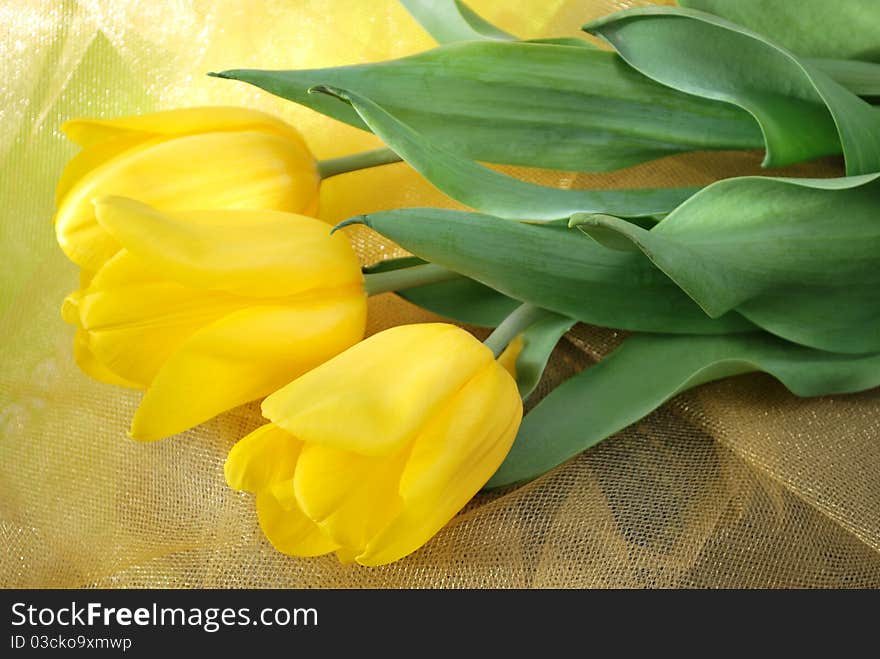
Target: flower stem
521	317
351	162
398	280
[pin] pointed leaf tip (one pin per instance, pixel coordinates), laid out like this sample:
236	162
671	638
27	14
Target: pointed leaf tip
585	219
604	229
226	75
357	219
330	90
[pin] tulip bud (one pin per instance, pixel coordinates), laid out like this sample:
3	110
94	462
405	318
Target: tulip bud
207	310
196	158
371	453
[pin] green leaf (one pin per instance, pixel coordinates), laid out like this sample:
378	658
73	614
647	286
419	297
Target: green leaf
566	41
539	340
541	105
861	78
463	300
849	29
551	267
492	192
798	257
452	21
802	112
390	265
602	229
449	21
647	370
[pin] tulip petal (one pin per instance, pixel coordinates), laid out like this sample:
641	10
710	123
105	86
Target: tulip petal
346	556
455	448
255	253
92	158
453	457
351	497
70	307
290	531
209	171
183	121
82	239
136	321
395	381
91	366
284	494
85	278
511	353
242	357
83	354
257	460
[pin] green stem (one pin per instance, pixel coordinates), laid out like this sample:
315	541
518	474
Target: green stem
523	316
351	162
398	280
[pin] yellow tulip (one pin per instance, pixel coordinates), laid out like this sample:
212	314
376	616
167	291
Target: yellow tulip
207	310
197	158
371	453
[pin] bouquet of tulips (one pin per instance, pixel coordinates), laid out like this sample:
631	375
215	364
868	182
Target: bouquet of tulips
208	282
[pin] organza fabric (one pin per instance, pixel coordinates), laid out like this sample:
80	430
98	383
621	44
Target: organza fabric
735	484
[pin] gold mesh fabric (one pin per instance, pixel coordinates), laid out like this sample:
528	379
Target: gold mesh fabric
735	484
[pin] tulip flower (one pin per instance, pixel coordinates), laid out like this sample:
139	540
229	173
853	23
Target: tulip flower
197	158
372	452
207	310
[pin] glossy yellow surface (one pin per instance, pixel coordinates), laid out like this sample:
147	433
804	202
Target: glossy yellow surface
371	462
511	353
207	310
196	158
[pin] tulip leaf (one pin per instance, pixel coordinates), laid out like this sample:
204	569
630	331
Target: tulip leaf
810	28
534	104
802	112
646	371
800	258
565	41
861	78
552	267
452	21
390	265
492	192
539	339
449	21
461	299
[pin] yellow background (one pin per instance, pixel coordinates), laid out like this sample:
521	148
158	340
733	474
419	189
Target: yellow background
735	484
